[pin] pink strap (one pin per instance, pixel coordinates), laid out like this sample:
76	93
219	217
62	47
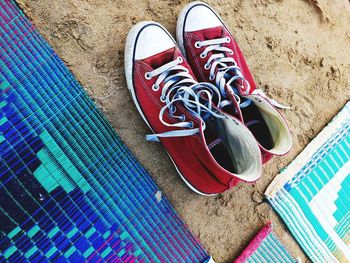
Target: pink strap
254	244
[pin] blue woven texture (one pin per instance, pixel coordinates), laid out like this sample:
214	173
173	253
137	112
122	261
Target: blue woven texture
315	201
271	250
70	190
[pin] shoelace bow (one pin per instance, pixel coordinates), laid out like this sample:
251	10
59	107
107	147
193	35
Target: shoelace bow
225	71
180	87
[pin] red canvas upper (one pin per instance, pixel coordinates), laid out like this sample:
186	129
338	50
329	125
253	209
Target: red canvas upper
197	63
190	153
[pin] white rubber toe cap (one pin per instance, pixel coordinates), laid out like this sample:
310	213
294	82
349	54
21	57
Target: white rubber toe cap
200	16
152	40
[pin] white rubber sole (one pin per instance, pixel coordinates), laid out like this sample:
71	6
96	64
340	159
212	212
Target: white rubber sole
129	61
181	22
128	64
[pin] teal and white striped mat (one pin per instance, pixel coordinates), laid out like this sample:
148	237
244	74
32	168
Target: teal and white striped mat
265	247
312	195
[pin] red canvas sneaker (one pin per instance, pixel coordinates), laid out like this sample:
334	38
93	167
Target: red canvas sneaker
215	56
211	150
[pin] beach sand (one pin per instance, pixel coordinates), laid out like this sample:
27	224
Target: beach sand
298	52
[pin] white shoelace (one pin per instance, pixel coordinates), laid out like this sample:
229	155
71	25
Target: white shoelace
180	87
221	69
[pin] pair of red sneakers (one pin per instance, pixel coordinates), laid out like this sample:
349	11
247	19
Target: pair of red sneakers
219	131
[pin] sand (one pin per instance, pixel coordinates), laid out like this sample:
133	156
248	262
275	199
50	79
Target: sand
298	52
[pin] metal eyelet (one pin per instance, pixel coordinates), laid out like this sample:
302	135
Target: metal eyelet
183	117
162	99
191	125
202	55
197	44
147	76
211	78
155	88
180	59
231	52
228	40
206	66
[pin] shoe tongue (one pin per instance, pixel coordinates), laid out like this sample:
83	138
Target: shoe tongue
213	33
160	59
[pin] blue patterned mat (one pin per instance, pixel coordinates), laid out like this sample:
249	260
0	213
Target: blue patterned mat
70	190
312	195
